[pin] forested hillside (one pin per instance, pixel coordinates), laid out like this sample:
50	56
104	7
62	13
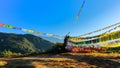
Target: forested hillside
19	43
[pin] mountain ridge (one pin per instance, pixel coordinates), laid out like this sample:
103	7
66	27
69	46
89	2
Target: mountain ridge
23	43
53	39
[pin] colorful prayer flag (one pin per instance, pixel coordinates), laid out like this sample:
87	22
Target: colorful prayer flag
25	30
36	32
5	25
40	33
31	31
16	28
50	35
1	24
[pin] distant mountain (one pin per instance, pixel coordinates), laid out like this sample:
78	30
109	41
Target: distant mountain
53	39
22	43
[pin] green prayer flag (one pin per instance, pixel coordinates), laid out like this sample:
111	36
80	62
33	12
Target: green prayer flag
31	31
80	9
40	33
11	27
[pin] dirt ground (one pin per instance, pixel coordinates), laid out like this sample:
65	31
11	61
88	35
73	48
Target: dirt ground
65	60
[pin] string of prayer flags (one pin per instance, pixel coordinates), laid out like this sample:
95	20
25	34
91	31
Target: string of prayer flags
116	24
27	30
80	10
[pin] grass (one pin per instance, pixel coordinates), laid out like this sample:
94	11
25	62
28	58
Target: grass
50	61
3	63
103	55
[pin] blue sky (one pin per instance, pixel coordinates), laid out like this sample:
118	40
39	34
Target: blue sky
57	16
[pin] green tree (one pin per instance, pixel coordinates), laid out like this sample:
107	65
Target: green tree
6	53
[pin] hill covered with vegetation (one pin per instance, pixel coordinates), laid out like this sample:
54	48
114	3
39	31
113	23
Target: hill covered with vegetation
19	43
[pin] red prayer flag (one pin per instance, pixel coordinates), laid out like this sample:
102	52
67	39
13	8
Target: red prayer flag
1	24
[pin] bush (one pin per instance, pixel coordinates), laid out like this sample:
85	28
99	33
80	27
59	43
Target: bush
114	49
8	53
56	48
